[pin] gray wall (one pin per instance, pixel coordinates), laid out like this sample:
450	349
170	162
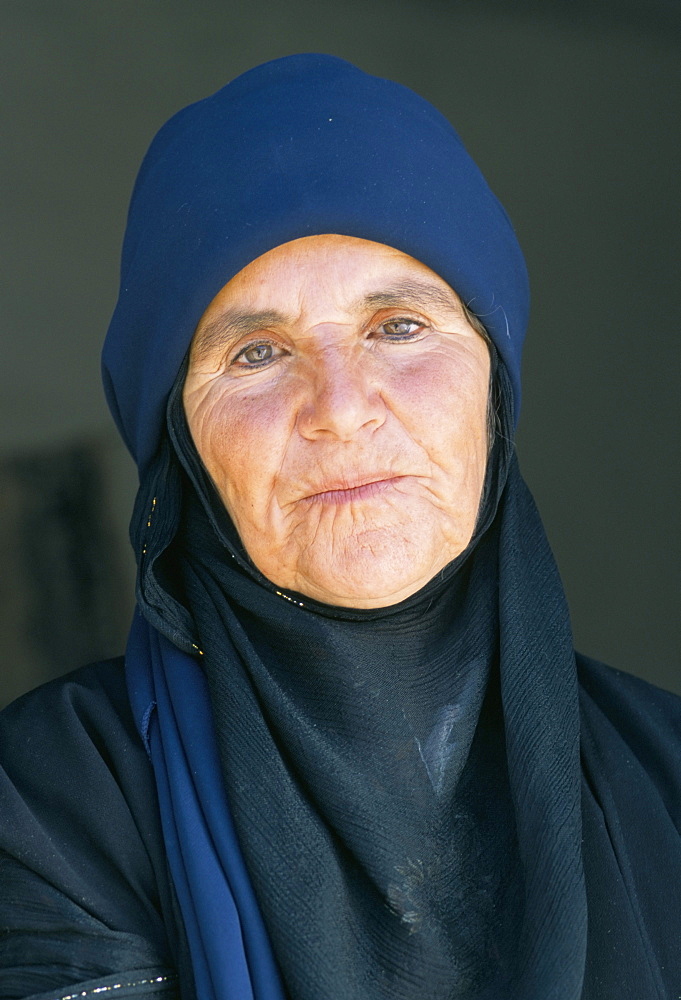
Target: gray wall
575	122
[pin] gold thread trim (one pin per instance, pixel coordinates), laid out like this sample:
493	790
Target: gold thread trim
114	986
151	512
287	598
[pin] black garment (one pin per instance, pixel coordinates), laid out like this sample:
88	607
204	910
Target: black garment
84	887
85	896
364	757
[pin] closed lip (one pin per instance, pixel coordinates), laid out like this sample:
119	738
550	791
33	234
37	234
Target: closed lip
340	487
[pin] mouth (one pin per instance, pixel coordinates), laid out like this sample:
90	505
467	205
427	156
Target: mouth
363	489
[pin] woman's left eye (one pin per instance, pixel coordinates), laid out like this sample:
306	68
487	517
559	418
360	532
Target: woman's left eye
401	328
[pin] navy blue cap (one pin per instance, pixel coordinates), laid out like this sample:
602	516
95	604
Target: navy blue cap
299	146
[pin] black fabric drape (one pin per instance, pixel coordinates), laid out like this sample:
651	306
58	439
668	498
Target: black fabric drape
408	827
91	877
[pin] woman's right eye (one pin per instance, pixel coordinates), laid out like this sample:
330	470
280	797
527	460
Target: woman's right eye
255	355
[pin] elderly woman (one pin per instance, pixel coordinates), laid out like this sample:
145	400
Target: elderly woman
352	753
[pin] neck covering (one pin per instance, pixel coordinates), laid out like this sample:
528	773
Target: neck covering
355	804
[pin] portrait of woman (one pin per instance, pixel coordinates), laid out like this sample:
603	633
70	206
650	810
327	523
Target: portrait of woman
350	751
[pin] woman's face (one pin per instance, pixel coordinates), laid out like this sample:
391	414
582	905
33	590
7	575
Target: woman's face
337	396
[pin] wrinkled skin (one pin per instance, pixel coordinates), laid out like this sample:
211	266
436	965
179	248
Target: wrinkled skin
337	396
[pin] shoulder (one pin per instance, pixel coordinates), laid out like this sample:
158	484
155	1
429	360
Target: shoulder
84	891
98	688
631	727
628	701
74	729
73	768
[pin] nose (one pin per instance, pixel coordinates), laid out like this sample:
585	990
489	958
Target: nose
341	397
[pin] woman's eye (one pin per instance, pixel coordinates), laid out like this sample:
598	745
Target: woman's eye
255	355
401	329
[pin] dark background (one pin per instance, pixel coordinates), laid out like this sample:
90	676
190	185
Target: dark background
571	108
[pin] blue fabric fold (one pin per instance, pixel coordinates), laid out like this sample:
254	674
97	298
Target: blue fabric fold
231	954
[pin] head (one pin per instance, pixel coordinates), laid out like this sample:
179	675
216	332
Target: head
303	192
337	395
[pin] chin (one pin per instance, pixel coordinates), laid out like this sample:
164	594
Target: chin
371	576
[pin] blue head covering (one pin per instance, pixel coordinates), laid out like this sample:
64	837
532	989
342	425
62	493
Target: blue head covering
300	146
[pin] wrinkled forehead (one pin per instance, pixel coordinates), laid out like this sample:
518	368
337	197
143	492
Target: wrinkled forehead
331	274
306	145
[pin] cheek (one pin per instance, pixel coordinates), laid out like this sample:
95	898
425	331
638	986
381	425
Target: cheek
241	439
443	400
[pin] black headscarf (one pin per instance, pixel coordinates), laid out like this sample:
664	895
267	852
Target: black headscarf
369	794
402	841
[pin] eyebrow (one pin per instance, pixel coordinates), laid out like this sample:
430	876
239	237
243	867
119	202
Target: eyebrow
232	324
409	291
229	326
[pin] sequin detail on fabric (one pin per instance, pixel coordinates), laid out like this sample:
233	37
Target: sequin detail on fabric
99	990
